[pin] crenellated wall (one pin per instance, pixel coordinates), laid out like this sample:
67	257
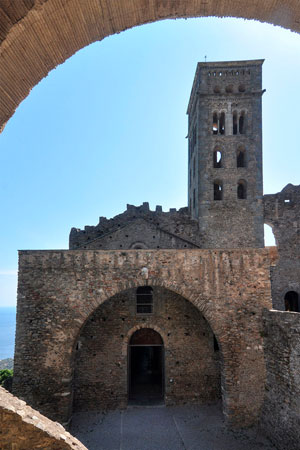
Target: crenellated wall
139	227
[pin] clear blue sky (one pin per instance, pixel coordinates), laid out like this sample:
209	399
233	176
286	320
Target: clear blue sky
108	128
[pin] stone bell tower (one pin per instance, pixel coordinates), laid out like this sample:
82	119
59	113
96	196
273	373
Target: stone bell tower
225	185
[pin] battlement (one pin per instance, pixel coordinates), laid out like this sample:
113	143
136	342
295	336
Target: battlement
139	227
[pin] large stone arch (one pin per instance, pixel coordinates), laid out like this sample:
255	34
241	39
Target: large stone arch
58	290
38	35
111	338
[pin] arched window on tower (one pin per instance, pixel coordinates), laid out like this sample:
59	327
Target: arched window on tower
242	189
217	159
222	123
234	123
215	125
291	302
144	300
241	157
242	123
218	190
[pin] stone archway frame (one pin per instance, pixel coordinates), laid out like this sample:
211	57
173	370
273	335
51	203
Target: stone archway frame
140	326
37	38
59	290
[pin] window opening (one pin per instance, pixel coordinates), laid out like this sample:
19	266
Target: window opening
144	300
218	190
215	123
217	159
194	198
216	345
222	123
270	240
194	167
242	123
234	123
291	302
240	158
241	190
194	138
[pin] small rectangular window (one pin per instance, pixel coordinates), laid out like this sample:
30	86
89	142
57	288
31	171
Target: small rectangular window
218	190
144	300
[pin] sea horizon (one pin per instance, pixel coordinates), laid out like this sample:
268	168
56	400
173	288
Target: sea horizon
7	331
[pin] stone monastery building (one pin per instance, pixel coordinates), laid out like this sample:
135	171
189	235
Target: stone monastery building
185	306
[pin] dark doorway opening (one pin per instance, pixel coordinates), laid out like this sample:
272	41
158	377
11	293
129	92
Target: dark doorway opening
291	301
146	368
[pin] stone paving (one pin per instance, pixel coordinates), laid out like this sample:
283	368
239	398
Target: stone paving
160	428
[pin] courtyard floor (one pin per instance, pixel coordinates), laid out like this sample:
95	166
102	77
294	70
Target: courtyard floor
160	428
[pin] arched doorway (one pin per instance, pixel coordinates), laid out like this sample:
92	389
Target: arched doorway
166	354
291	301
146	367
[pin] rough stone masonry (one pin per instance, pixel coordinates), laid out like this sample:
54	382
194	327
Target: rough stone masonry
197	278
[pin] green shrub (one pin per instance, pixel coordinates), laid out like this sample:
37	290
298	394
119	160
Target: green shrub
4	375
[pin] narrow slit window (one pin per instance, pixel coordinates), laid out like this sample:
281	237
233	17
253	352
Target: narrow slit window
222	123
217	159
218	190
194	199
216	345
242	190
144	300
234	123
194	138
240	158
242	123
215	125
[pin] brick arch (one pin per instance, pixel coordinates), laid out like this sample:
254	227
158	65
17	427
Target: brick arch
188	294
159	283
131	332
195	299
36	38
124	284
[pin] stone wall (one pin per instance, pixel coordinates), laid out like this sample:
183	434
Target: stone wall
282	213
23	428
229	90
101	361
139	227
59	290
281	410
